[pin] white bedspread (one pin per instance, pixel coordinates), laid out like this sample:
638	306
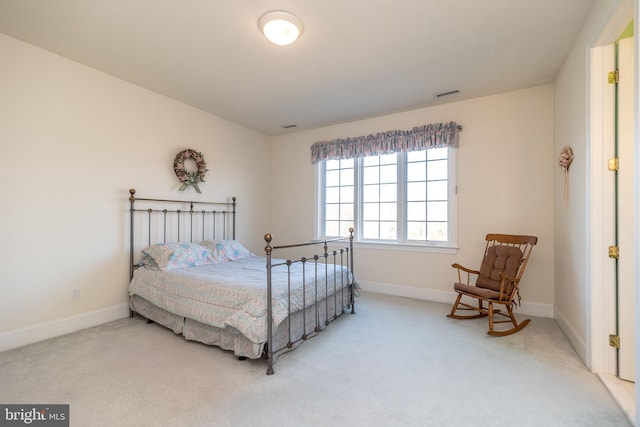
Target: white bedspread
234	293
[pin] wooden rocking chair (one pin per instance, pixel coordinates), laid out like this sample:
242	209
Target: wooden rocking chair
497	281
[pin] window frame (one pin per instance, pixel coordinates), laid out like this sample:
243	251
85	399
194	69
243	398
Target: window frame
449	246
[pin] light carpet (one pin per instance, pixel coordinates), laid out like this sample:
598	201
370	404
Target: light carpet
397	362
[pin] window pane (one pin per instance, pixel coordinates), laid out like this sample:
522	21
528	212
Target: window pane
332	164
371	193
416	191
417	211
371	175
346	212
332	228
437	231
339	195
388	193
388	231
437	190
332	195
346	194
416	171
417	231
388	159
437	170
332	178
388	211
437	153
389	173
332	212
415	156
370	230
347	163
371	161
437	211
346	177
371	212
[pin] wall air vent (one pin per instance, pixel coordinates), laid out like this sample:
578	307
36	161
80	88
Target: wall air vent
443	94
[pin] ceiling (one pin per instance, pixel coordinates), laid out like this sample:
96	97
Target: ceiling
356	58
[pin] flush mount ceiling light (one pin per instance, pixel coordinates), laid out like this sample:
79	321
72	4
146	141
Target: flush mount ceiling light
281	28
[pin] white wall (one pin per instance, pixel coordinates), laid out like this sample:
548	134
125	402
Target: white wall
74	140
571	230
574	228
505	181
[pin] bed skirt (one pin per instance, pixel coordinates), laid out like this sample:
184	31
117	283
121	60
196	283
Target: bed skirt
285	337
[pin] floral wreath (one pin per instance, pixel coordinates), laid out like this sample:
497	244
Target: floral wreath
190	178
566	157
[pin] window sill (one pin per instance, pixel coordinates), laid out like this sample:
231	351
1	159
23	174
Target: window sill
407	247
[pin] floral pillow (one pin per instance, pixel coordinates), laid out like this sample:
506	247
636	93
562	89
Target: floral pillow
148	262
226	250
178	255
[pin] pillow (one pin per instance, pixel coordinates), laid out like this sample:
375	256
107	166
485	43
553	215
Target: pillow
178	255
147	262
226	250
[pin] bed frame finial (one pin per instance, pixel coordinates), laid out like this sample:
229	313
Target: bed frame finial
268	238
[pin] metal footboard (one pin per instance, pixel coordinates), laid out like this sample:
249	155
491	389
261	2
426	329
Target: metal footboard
341	293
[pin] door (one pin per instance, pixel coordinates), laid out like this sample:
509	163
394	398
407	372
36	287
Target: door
625	211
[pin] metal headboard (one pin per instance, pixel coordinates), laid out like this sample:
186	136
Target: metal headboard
178	220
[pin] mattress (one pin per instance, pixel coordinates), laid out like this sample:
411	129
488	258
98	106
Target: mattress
231	296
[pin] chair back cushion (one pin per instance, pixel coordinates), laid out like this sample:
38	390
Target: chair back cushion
499	259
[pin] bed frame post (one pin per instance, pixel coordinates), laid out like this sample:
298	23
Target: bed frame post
233	223
351	292
268	249
132	200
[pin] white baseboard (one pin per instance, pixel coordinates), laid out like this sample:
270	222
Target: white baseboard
43	331
21	337
408	292
577	342
448	297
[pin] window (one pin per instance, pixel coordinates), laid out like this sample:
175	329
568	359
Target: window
406	198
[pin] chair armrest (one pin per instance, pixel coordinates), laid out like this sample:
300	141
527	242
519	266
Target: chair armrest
506	278
465	269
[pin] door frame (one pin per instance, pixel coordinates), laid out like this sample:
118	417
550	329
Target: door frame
627	214
601	300
601	97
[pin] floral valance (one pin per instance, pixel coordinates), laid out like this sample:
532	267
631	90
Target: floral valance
435	135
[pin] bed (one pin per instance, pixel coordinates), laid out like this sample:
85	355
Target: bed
189	273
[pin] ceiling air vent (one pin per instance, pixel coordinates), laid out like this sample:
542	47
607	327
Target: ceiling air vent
443	94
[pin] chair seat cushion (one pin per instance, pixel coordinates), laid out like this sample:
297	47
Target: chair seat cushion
481	292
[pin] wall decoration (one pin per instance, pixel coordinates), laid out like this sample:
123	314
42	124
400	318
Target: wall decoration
566	157
188	177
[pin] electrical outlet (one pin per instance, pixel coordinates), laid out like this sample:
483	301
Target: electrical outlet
75	293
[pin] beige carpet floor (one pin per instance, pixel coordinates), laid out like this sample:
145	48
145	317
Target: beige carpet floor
397	362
